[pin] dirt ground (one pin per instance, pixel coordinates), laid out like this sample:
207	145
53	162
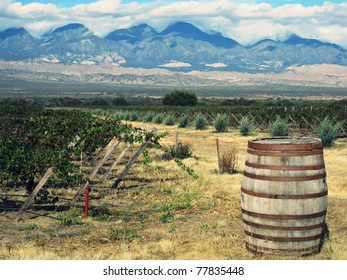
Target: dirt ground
161	212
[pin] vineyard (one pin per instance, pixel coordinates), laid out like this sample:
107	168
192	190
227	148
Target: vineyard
302	117
154	195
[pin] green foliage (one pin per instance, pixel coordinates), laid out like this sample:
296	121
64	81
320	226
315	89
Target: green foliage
100	213
221	123
134	116
68	220
183	121
182	151
33	139
279	127
126	235
246	126
127	116
200	122
169	120
327	131
158	118
120	101
180	98
148	117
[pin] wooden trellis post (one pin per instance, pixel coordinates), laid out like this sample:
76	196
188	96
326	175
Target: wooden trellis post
31	198
110	147
218	154
132	160
116	162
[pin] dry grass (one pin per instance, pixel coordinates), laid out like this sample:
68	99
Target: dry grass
161	212
228	161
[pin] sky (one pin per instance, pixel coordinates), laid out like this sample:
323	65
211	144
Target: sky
246	21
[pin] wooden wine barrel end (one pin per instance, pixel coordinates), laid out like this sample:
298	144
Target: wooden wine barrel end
284	196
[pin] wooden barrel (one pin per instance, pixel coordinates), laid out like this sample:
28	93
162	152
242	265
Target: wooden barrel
284	196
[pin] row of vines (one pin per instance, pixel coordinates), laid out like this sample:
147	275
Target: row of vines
34	139
301	117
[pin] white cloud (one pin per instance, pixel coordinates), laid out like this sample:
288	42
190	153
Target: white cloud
244	22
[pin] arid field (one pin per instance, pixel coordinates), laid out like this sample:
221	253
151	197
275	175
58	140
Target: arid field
161	212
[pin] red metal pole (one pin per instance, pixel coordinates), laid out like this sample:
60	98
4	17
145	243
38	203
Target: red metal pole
86	203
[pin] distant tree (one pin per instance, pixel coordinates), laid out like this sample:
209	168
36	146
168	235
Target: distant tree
180	98
120	101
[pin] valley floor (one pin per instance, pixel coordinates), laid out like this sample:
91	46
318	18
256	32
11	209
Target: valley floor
161	212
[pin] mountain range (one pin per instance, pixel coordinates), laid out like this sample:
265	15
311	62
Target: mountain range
181	46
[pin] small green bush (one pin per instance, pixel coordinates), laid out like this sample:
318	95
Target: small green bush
127	116
134	116
221	123
182	151
200	122
158	118
169	120
246	126
183	121
279	127
148	117
327	131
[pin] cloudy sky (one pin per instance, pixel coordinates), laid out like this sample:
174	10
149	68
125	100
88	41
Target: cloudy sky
246	21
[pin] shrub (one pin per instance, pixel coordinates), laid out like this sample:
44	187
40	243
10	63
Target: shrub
148	117
169	120
182	151
119	115
134	116
246	126
180	98
327	131
200	122
228	161
127	116
221	123
158	118
183	121
279	127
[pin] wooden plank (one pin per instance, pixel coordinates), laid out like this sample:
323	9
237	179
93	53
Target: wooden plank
177	139
235	118
110	147
218	155
132	160
30	199
113	166
309	125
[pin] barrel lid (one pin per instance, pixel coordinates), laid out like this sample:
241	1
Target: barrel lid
285	143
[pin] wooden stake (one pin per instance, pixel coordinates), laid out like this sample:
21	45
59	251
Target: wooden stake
116	162
218	155
110	147
30	199
132	160
176	145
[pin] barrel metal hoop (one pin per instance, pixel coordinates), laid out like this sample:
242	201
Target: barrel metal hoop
285	153
261	249
261	226
285	147
283	239
283	178
284	196
284	217
284	168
